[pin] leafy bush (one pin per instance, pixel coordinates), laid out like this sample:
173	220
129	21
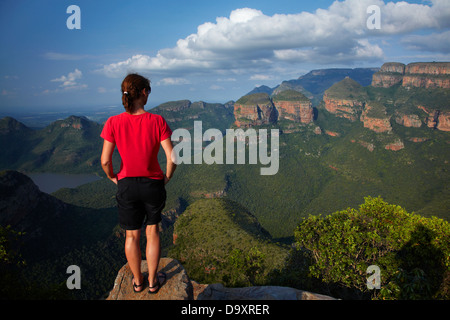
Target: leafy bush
411	251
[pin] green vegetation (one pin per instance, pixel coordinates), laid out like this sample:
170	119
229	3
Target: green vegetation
218	240
255	98
376	110
346	89
411	251
290	95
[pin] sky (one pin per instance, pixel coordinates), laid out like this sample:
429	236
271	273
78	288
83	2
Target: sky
212	51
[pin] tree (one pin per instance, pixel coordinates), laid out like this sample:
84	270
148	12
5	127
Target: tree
411	251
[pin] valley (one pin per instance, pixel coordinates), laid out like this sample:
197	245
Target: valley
344	135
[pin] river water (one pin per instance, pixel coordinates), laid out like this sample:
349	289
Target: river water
51	182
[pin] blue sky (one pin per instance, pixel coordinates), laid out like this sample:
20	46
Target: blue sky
214	51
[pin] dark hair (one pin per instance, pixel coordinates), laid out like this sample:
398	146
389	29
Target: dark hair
132	87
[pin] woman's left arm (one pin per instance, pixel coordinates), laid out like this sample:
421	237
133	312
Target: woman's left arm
106	160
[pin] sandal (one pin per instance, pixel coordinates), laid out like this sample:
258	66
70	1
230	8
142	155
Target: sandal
159	283
136	286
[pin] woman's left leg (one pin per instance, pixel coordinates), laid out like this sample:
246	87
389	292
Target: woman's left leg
134	257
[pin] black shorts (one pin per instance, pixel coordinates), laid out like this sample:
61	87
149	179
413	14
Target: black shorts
140	201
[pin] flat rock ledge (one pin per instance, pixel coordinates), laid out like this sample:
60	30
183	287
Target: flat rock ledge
178	286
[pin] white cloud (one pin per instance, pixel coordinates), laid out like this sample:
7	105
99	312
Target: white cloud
172	81
216	87
64	56
69	82
260	77
249	40
436	42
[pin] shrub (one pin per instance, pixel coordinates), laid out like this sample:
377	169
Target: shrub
411	251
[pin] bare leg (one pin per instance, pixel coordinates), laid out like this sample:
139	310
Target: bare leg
133	254
153	252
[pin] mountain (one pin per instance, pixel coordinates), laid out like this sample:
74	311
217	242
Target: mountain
24	207
15	142
70	145
314	83
54	236
73	145
183	113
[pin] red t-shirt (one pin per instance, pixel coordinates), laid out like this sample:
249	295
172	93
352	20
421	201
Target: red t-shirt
138	138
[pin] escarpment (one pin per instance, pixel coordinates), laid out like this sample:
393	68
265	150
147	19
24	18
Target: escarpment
418	75
420	97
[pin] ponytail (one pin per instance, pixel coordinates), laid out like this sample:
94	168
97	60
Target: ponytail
132	87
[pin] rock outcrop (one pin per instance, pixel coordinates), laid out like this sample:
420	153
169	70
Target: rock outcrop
408	120
293	106
178	286
419	74
343	108
253	110
375	118
219	292
436	119
345	99
348	99
390	74
259	109
395	146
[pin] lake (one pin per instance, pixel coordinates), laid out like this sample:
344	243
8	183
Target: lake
51	182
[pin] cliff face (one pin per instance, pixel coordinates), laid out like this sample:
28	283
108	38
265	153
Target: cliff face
374	117
423	85
408	120
297	112
344	108
259	109
255	109
420	75
293	106
345	99
390	74
436	119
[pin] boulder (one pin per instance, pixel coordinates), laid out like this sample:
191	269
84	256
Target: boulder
219	292
177	285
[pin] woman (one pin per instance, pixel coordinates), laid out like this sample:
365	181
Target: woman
141	193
